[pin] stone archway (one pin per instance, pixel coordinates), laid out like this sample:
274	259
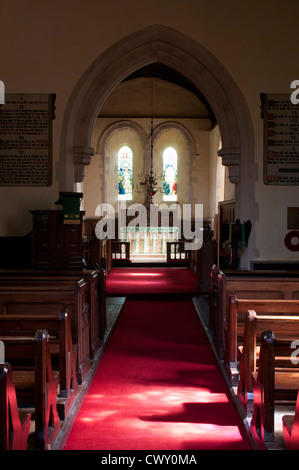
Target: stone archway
182	53
123	125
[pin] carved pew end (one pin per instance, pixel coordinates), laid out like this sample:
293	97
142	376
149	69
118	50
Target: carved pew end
14	422
290	426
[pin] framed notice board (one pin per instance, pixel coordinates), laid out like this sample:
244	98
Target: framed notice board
281	139
26	139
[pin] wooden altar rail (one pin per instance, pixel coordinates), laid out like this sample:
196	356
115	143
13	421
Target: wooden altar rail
176	251
120	250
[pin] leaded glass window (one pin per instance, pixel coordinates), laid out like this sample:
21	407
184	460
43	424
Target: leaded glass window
125	173
170	166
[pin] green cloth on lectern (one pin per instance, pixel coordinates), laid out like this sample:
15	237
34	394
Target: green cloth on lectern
71	210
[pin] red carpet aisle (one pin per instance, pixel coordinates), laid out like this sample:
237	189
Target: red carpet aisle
151	281
158	386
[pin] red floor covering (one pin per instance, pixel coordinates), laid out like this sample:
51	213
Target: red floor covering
128	281
158	386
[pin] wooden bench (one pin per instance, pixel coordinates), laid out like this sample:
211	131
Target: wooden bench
14	422
95	295
245	285
36	386
275	382
235	322
284	327
96	299
33	297
202	260
253	388
63	352
290	426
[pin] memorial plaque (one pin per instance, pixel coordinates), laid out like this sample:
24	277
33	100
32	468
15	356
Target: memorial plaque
26	140
281	139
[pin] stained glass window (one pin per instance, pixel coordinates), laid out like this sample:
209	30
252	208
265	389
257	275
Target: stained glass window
170	166
125	173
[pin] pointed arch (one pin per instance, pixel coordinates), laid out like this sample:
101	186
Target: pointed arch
174	49
120	126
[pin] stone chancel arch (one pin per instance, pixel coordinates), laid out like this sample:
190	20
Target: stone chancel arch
173	49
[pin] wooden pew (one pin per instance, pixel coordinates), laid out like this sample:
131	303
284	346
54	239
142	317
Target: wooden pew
202	260
287	329
100	252
36	385
283	326
102	299
14	423
276	381
290	426
245	285
96	298
31	297
214	299
63	353
95	295
235	322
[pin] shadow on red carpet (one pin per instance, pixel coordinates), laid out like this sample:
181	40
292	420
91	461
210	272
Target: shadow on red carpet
158	386
128	281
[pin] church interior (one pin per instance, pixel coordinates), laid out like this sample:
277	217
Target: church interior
149	269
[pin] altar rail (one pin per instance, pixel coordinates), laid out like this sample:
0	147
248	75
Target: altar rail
120	250
176	252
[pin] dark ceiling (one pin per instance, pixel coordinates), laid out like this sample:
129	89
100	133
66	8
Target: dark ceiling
162	72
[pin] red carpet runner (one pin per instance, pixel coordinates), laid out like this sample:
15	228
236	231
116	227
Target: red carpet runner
158	386
151	281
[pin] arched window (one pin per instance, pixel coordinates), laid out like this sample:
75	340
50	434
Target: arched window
170	167
125	174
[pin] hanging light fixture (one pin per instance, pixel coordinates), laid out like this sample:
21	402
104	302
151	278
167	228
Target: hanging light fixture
149	182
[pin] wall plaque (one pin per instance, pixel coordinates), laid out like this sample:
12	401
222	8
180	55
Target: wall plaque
281	139
26	139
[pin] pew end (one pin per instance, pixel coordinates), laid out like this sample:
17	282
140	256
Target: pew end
62	350
235	325
275	383
290	426
14	422
38	386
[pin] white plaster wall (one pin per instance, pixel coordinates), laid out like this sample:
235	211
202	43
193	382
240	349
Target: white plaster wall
46	46
168	104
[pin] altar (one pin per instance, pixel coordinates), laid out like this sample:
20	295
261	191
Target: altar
149	242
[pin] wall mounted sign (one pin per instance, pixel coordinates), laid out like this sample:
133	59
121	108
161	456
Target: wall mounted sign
281	139
26	139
